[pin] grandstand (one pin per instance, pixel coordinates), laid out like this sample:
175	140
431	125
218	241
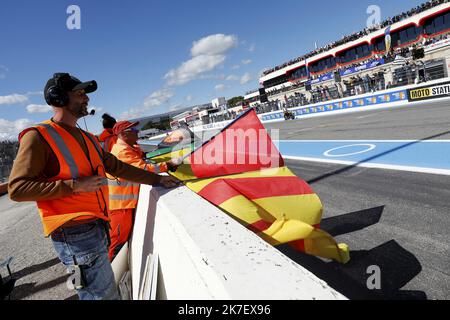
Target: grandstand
419	51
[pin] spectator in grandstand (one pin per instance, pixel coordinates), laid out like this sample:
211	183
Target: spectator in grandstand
389	85
430	41
366	82
338	89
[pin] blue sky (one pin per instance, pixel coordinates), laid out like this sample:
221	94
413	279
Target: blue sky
150	57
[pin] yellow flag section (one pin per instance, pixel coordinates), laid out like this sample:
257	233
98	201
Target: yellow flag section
277	205
171	154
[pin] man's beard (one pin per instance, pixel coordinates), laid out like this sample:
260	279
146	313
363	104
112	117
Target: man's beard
79	111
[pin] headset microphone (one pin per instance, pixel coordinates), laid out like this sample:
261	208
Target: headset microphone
91	113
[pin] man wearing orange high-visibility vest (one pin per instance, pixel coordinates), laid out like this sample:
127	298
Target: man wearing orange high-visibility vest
123	194
63	168
107	138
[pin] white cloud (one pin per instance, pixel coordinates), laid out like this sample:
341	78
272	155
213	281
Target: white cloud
232	77
155	99
37	108
133	113
158	98
216	44
189	98
35	93
192	69
220	87
252	48
13	99
175	107
248	61
9	130
207	54
235	67
246	78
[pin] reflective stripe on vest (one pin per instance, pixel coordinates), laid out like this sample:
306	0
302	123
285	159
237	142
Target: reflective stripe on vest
73	163
123	194
117	183
123	197
97	148
64	150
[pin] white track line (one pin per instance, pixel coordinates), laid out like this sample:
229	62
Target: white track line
406	141
375	165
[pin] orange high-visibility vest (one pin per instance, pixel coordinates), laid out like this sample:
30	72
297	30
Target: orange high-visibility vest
124	194
73	164
107	139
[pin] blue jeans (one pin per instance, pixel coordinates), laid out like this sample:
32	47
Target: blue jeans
87	246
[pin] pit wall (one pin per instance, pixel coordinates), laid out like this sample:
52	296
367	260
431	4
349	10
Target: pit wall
205	254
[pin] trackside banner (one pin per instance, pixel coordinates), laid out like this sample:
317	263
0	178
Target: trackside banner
374	100
440	90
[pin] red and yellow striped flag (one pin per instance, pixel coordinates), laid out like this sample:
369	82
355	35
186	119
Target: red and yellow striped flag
275	204
242	172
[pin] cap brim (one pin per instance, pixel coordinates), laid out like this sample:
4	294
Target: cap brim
134	124
88	86
131	125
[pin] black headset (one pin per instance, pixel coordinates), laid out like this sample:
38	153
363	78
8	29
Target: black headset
55	94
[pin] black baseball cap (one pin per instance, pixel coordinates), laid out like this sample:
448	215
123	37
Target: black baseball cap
68	83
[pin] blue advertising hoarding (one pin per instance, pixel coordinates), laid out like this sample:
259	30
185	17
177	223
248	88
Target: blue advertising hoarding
325	77
346	104
330	76
363	67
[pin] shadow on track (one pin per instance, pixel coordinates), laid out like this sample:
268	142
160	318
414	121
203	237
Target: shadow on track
397	265
35	268
24	290
351	222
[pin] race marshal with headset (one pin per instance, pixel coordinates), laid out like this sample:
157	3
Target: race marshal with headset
63	168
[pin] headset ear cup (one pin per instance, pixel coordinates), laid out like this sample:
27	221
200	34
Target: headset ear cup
64	98
56	97
51	96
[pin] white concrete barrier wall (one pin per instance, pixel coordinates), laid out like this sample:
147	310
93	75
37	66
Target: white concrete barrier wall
205	254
